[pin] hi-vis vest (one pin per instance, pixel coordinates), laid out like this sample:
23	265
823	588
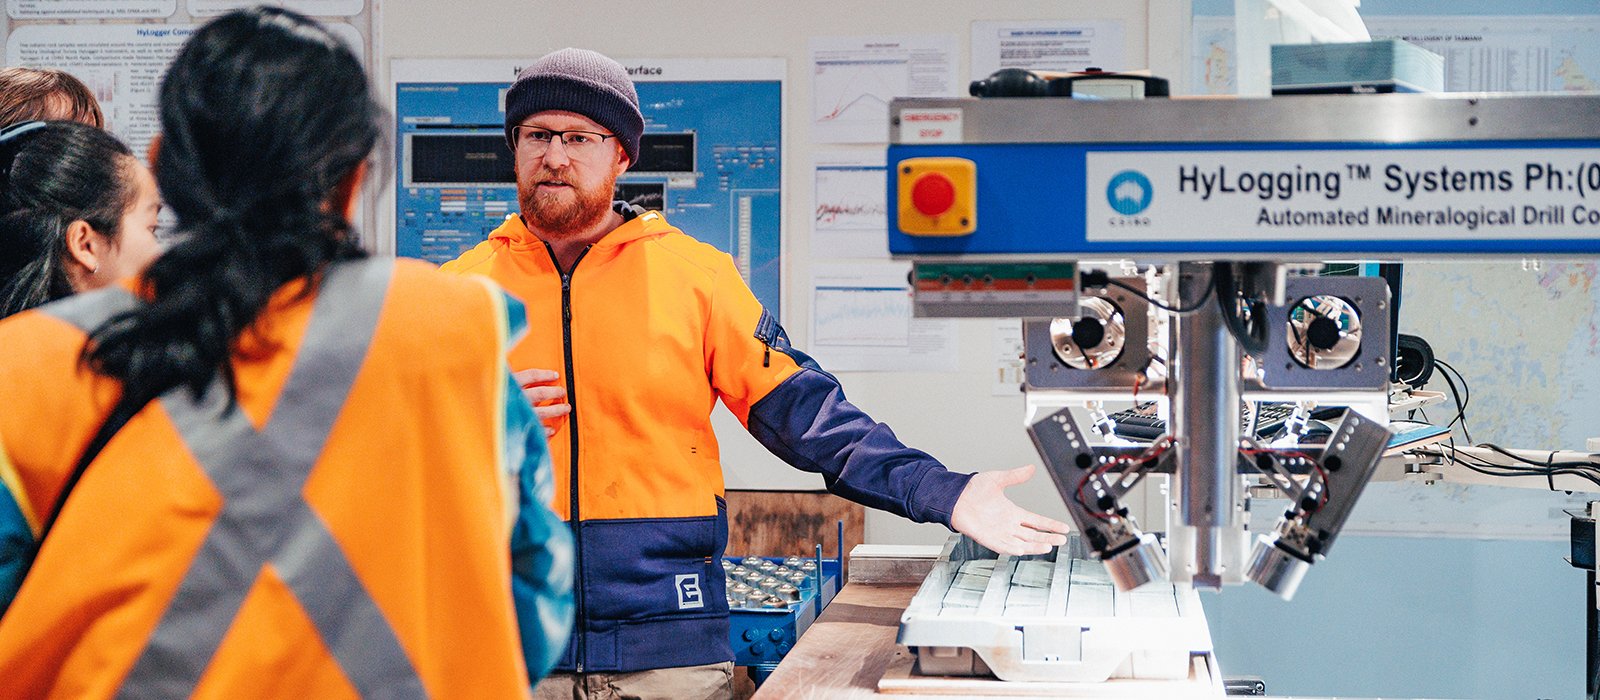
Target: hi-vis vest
343	533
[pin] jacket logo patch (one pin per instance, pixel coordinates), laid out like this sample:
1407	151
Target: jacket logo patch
689	596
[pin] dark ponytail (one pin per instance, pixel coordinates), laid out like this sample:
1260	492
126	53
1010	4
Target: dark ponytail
263	114
52	174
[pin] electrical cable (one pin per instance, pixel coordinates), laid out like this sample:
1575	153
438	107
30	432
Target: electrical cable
1150	453
1181	310
1100	278
1549	460
1488	470
1463	397
1322	475
1585	469
1252	341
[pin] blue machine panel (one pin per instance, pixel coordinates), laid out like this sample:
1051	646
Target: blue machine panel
1300	199
710	161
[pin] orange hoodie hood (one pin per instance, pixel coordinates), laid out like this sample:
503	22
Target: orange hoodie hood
638	224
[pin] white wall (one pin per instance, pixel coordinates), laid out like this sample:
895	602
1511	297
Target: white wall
951	415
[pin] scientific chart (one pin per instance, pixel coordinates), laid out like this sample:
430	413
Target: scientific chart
861	321
854	78
710	159
851	218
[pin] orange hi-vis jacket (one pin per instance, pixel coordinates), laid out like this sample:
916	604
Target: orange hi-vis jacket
344	530
649	329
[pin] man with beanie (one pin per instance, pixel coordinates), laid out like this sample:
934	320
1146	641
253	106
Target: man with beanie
636	330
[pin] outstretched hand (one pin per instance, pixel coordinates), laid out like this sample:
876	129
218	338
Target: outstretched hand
984	513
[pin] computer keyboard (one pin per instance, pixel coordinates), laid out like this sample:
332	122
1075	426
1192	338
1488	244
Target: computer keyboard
1139	423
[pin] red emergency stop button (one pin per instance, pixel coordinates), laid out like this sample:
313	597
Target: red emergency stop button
936	196
933	194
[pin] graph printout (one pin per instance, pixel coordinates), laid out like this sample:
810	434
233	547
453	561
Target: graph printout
861	321
853	78
850	217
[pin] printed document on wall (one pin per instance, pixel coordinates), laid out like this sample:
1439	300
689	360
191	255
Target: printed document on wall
1008	352
853	78
1047	45
851	218
315	8
122	64
1505	54
861	321
90	9
1516	52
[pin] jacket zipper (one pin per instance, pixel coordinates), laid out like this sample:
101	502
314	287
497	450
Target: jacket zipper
572	433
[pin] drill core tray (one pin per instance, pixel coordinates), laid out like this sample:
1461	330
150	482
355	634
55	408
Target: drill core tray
1049	617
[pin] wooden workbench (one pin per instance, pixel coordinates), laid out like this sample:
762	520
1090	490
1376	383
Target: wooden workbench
847	650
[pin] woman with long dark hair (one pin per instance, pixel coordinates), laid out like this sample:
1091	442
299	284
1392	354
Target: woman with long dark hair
77	212
272	466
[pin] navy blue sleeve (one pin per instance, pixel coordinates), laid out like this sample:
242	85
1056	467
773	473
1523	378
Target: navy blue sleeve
807	422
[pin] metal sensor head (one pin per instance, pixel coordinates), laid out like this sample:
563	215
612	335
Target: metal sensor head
1137	565
1275	568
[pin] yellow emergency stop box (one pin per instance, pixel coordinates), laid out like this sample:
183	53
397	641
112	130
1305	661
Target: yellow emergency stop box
938	196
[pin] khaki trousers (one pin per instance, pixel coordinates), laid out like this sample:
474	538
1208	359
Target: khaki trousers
709	682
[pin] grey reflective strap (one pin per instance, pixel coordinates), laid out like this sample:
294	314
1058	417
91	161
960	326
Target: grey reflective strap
90	309
265	518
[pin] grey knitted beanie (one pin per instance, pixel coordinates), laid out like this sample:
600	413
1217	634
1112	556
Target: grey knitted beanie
581	81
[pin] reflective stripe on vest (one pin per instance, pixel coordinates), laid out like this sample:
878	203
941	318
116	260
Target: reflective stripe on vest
264	518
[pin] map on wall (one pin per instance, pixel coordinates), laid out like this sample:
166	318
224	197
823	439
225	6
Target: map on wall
1526	337
1211	51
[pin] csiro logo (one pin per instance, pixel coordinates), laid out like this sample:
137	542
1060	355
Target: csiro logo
1129	192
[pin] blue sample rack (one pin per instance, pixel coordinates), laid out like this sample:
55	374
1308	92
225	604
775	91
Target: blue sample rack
762	636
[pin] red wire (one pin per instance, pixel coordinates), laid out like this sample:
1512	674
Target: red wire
1153	452
1323	475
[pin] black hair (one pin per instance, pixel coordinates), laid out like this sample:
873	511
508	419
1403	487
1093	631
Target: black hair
264	113
52	174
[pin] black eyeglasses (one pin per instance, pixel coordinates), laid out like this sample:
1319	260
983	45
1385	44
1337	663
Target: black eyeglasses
578	142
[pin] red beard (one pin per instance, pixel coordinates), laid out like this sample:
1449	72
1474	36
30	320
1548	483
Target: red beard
566	210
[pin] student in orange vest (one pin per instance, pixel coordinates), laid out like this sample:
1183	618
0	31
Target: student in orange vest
638	330
77	212
272	466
